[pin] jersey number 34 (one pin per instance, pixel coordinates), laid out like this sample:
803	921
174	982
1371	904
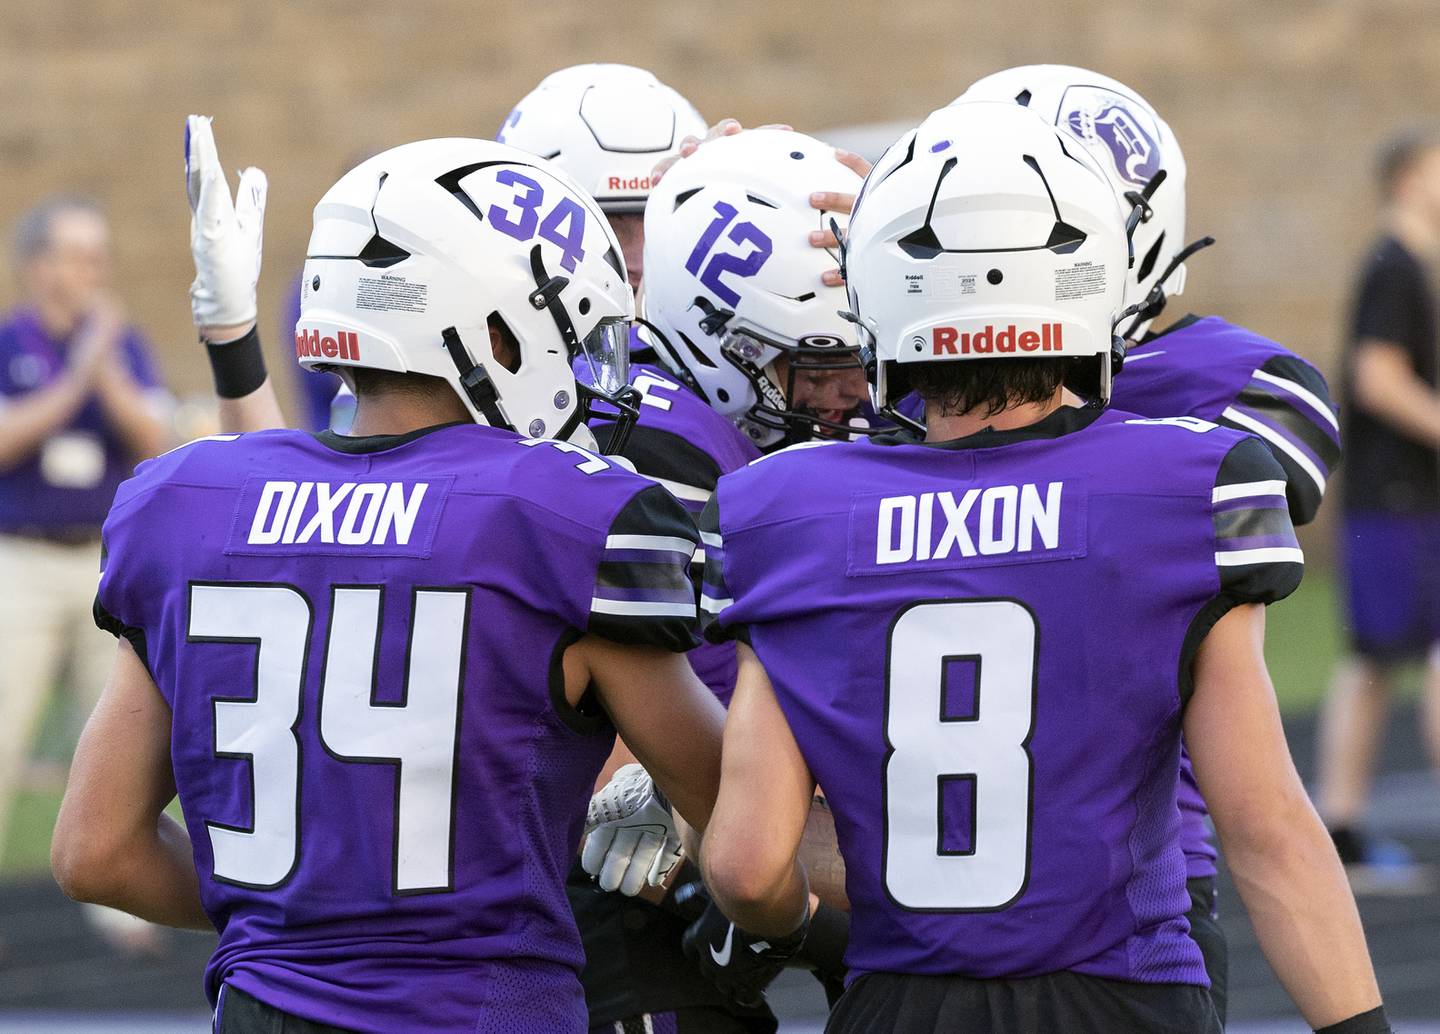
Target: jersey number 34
417	736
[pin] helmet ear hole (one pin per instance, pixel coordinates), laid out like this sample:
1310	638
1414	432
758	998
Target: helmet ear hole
503	345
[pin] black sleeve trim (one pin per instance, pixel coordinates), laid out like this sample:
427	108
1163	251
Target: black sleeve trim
1257	557
1372	1022
108	622
588	717
643	593
238	367
657	453
1297	421
714	592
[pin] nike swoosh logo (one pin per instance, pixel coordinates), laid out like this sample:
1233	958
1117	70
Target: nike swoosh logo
722	957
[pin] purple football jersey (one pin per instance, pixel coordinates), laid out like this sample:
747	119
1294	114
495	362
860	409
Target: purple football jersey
683	444
1232	376
997	741
361	641
1217	371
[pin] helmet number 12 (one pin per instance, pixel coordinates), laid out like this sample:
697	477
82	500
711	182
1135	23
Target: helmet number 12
959	711
722	262
563	226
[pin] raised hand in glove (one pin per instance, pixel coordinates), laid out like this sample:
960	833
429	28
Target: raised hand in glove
630	834
740	964
225	237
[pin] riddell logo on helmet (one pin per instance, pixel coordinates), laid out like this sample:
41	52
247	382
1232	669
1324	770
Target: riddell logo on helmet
633	183
309	344
1002	340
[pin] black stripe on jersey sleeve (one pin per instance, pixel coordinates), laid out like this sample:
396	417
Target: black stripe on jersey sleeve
1266	566
643	594
1298	422
714	593
1251	523
662	454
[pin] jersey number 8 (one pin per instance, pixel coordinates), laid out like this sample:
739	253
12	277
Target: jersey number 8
947	762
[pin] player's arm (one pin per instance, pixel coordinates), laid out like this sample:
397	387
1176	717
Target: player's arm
225	242
1387	388
113	843
1282	859
667	717
750	853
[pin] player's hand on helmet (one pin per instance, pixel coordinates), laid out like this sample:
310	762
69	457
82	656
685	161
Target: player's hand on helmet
691	144
630	834
740	964
225	237
834	201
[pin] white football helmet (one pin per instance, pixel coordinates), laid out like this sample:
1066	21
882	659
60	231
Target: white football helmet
417	250
984	233
732	283
1130	143
606	125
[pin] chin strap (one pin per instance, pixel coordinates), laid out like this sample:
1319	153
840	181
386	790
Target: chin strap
474	381
1154	303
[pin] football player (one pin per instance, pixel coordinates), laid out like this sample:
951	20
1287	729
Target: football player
750	356
1197	366
926	630
381	670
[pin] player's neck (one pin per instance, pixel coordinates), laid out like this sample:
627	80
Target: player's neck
944	427
1412	229
392	414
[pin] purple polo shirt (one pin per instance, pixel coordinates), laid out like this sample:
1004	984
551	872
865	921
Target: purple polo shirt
64	489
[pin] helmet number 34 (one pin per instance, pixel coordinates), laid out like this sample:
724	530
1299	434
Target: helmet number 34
959	711
563	226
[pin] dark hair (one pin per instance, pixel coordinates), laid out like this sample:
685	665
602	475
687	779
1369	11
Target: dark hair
1399	154
33	228
986	386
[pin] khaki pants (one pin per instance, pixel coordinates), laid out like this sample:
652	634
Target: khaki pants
46	634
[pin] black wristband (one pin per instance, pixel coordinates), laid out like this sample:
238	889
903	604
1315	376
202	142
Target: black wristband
1373	1022
237	366
828	937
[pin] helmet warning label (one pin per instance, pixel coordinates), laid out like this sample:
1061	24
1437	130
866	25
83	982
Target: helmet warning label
1079	281
388	293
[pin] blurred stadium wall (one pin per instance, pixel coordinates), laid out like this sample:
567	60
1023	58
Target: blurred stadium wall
1279	106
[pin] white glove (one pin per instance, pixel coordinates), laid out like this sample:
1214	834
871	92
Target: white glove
225	236
631	834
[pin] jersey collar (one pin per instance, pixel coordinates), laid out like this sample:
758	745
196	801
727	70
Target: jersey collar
378	442
1065	420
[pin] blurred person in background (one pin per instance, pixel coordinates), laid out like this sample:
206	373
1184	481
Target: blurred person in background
1390	533
80	404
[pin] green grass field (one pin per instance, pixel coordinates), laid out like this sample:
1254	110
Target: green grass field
1302	643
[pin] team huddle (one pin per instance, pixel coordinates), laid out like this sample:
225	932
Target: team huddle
741	558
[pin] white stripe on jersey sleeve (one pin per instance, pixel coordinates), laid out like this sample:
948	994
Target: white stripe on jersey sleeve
642	608
1301	392
711	605
1271	555
1280	442
710	538
1246	490
654	543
